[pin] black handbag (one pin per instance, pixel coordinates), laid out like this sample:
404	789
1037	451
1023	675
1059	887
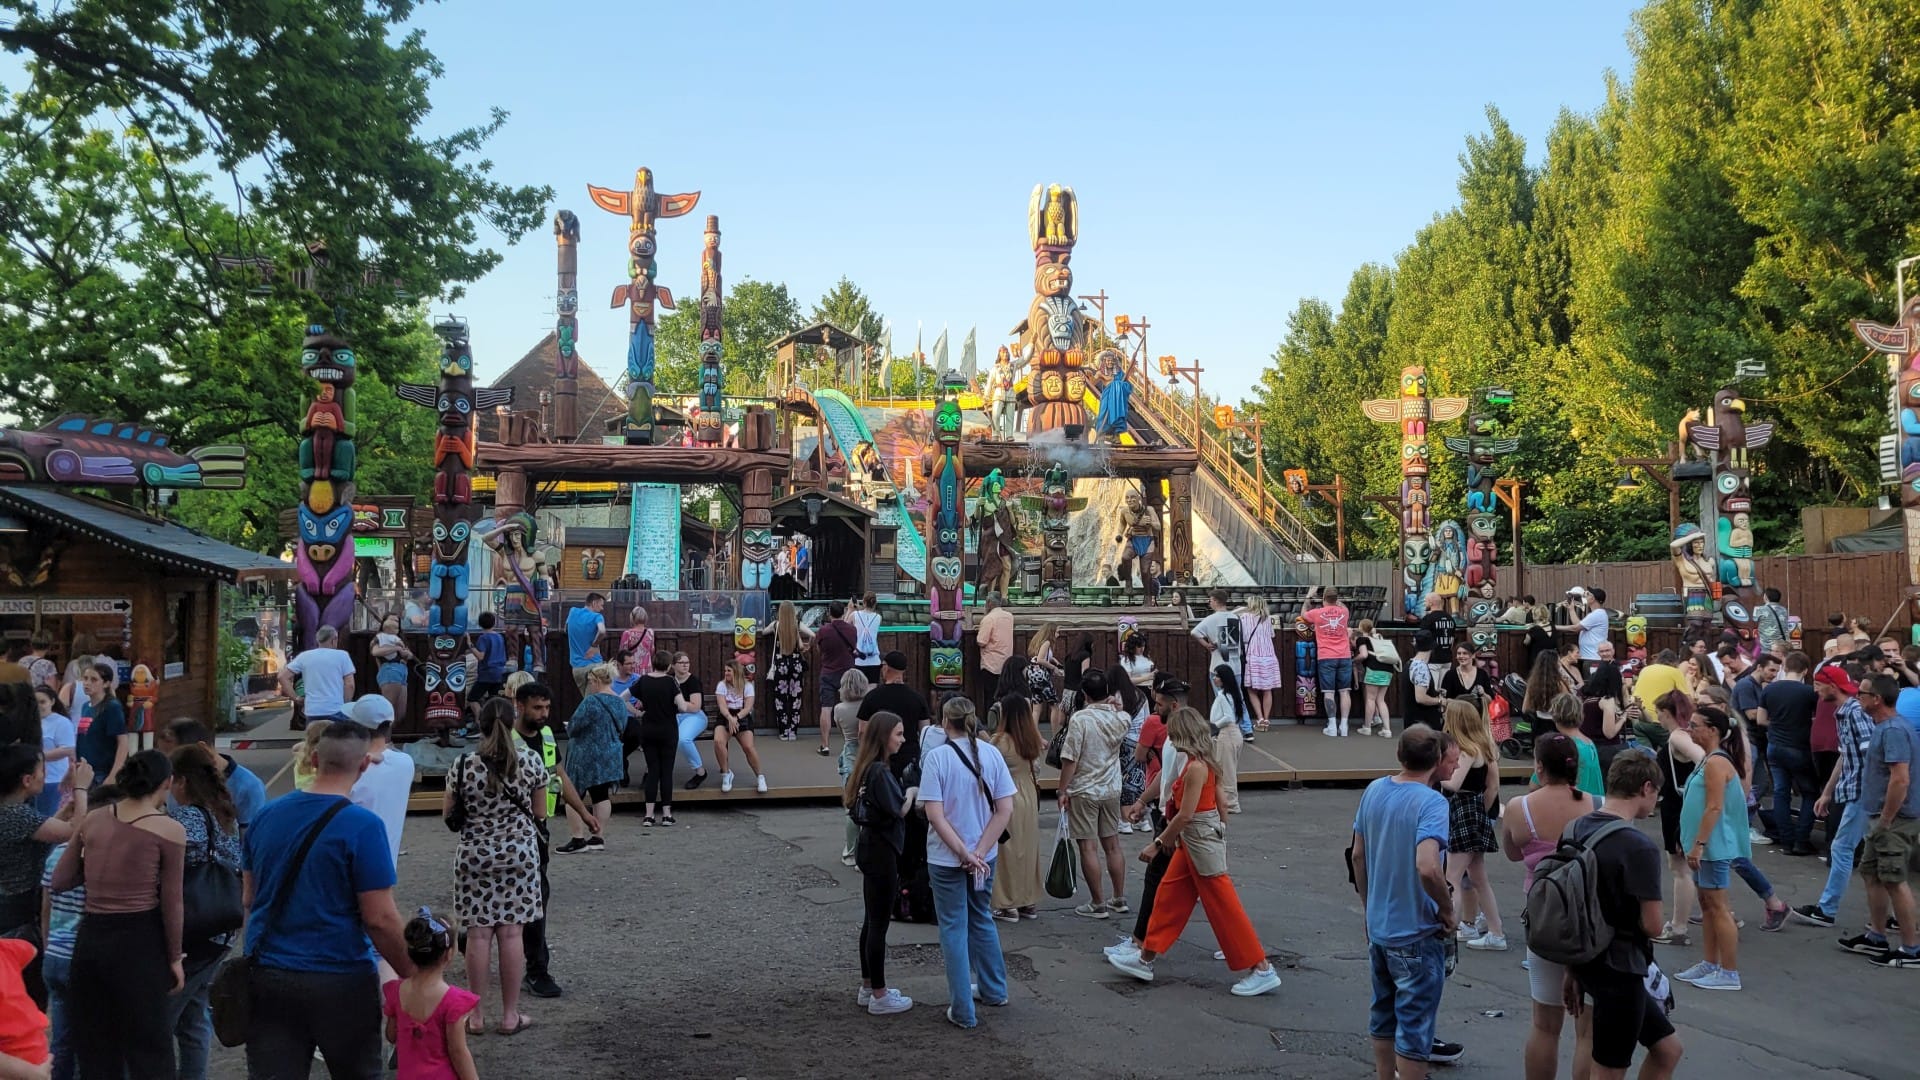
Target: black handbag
456	816
210	893
1055	744
231	994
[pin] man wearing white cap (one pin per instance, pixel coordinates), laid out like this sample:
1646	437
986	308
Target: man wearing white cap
388	782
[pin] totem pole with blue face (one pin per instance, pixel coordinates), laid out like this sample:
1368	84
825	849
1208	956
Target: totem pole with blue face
1482	448
945	525
1412	410
323	548
643	206
455	400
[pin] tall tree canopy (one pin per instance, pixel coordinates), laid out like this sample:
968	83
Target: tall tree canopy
1742	195
113	296
847	307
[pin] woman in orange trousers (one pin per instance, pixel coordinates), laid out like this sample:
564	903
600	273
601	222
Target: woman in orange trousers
1198	872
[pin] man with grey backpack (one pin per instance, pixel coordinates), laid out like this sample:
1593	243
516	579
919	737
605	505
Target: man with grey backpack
1595	907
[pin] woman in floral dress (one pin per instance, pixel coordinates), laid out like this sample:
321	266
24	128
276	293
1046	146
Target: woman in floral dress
1261	668
789	669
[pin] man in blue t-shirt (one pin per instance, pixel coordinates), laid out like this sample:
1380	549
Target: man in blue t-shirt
1399	868
585	626
490	655
312	939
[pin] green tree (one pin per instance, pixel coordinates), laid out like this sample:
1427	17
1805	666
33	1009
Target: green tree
847	307
312	110
757	313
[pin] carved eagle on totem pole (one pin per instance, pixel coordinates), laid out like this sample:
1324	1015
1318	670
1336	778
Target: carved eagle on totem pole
1725	429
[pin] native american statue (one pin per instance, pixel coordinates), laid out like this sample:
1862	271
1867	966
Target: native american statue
1003	407
642	294
455	401
323	546
1698	574
1450	564
1482	449
1056	560
1901	344
1413	410
1053	336
1137	536
993	519
946	506
511	539
707	425
1729	440
1115	396
566	327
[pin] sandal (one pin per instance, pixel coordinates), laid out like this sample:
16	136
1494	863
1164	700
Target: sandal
473	1031
525	1023
1260	725
647	822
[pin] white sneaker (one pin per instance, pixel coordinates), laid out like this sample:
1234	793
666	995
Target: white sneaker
1256	983
1123	947
888	1003
1126	828
1386	731
726	782
760	784
1758	838
1219	954
1131	964
1330	730
1343	729
1489	943
864	996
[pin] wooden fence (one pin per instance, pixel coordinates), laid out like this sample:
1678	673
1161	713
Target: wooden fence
1870	585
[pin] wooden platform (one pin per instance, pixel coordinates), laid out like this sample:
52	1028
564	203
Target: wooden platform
1288	755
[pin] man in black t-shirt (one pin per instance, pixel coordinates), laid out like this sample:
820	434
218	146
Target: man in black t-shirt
1787	706
1440	624
1629	881
895	696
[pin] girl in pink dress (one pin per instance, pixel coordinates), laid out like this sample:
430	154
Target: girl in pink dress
424	1014
1261	674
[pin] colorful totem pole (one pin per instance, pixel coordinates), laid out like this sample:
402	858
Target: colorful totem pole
1056	563
566	328
1053	336
1482	449
643	207
1726	504
707	426
455	401
323	550
1413	410
1901	344
945	529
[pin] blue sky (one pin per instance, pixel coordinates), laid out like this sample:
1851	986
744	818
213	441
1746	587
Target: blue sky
1229	159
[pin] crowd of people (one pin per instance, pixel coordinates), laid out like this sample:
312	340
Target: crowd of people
138	870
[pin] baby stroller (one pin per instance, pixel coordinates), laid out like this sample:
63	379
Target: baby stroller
1514	732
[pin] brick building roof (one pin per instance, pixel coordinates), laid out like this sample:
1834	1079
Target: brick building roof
533	373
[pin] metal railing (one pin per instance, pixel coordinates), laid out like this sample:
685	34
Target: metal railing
1266	508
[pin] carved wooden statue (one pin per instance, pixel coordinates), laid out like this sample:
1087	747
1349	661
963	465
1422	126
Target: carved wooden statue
455	400
1137	536
946	487
323	546
566	327
1413	410
1053	336
511	539
708	424
1482	449
1002	399
642	294
87	450
1901	343
997	534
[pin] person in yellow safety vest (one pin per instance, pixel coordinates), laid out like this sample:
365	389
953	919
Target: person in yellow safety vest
532	702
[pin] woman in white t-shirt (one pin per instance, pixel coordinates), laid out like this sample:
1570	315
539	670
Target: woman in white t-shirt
58	735
968	793
866	638
734	696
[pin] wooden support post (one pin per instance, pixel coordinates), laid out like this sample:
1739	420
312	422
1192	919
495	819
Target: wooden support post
1179	518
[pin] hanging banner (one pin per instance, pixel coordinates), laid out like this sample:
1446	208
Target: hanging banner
653	538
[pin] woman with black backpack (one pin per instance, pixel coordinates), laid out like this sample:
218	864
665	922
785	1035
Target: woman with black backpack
878	805
205	810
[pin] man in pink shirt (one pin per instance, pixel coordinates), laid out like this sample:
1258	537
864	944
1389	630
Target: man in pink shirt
1332	626
995	636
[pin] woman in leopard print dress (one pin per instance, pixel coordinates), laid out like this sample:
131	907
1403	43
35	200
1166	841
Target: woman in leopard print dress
496	866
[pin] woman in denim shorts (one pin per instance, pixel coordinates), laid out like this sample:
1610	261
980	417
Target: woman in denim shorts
1714	836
